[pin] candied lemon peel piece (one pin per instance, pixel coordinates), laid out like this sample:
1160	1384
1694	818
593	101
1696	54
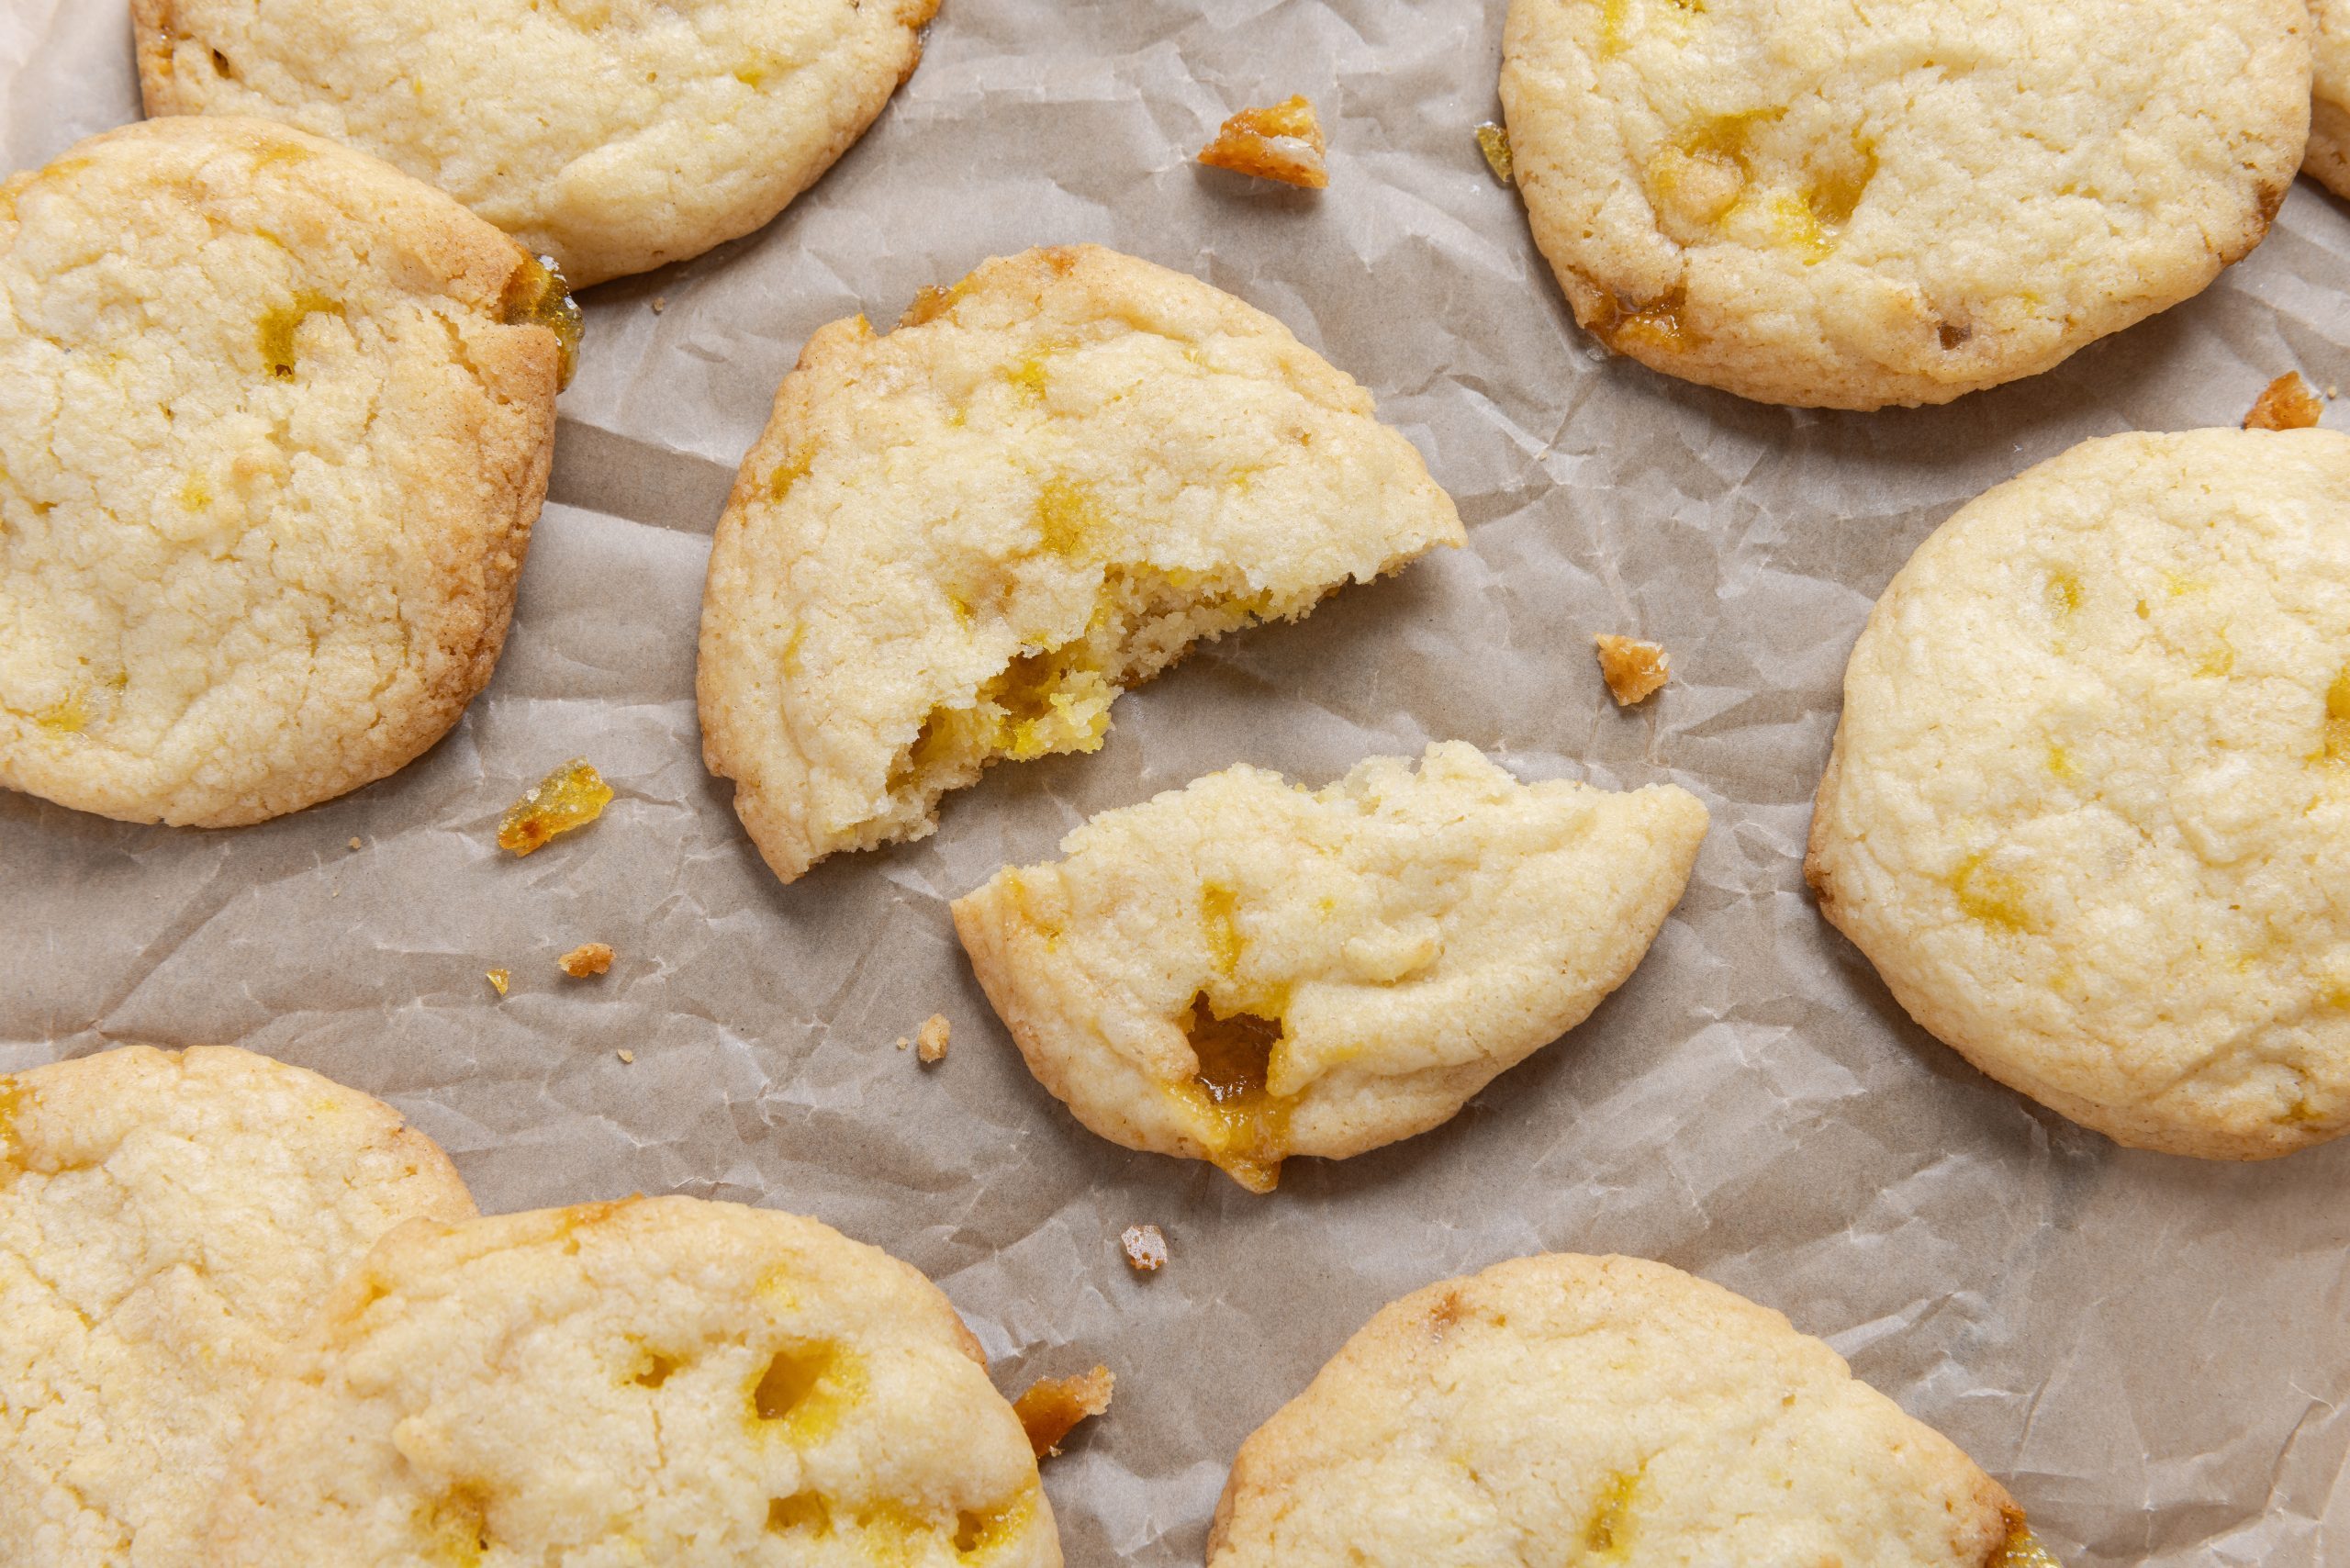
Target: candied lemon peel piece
2287	403
571	796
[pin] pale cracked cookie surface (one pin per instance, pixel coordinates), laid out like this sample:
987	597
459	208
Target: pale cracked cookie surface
169	1224
1243	970
614	135
959	541
2328	158
1561	1408
274	424
2089	809
666	1380
1810	202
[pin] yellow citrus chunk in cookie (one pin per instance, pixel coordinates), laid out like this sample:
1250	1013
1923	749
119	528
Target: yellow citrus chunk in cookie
1823	203
274	425
614	135
1594	1411
1243	969
660	1381
2088	808
959	541
169	1223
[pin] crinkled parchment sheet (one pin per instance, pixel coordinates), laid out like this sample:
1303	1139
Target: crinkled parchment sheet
2150	1352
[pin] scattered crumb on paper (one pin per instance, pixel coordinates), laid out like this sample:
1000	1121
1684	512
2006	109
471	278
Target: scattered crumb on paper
1054	1405
2285	404
1146	1247
588	958
571	796
1633	669
1283	142
497	978
930	1041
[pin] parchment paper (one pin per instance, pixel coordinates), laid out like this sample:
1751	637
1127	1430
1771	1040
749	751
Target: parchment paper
2149	1351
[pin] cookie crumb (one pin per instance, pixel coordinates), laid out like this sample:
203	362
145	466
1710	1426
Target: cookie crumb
1054	1405
571	796
1493	140
354	842
1633	669
588	958
1283	142
930	1041
660	303
498	979
1146	1247
2285	404
629	1058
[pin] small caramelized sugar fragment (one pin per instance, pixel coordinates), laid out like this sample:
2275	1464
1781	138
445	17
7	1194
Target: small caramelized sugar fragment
1634	670
588	958
2287	403
2022	1550
930	1041
1244	1125
1493	140
1146	1247
979	1534
536	295
498	978
1283	143
1656	324
1053	1406
801	1511
2337	719
572	795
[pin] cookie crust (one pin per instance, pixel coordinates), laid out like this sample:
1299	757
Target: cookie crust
1822	204
277	426
169	1222
613	135
2088	806
1605	1409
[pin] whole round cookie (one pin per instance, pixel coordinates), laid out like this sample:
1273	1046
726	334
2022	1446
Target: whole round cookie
1561	1408
2088	808
1242	970
274	424
957	542
614	135
169	1224
2328	158
1811	202
696	1384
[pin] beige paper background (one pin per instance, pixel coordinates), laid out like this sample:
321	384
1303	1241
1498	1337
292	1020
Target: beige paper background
2150	1352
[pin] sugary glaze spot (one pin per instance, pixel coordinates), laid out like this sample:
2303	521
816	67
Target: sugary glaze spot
2022	1550
1633	669
571	796
1283	142
1244	1125
1493	140
536	295
1053	1406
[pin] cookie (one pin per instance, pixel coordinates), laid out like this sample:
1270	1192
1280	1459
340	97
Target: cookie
2088	808
1808	201
2328	157
169	1223
614	135
1241	970
959	541
274	424
660	1381
1563	1409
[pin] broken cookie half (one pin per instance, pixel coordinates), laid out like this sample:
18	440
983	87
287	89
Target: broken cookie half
1245	969
959	541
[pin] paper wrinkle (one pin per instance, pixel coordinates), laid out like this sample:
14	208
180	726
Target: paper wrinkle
2146	1352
